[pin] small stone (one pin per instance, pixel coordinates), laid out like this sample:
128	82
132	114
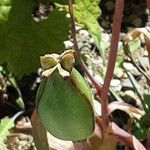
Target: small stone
135	72
125	75
85	49
128	66
84	32
118	73
105	37
91	40
80	45
20	147
78	28
39	71
142	38
145	53
129	93
23	142
118	88
67	15
144	62
16	140
88	45
32	144
22	137
82	38
38	80
126	83
120	45
99	79
68	44
115	83
97	107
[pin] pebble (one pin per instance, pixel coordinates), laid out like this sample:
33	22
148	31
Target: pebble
130	93
87	44
67	15
82	38
80	45
126	84
39	71
128	66
118	73
91	40
118	88
84	32
85	48
144	62
105	37
78	28
97	107
16	140
20	147
115	83
23	142
135	72
125	75
99	79
145	53
68	44
38	80
120	45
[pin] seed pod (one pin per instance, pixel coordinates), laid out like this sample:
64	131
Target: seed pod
64	104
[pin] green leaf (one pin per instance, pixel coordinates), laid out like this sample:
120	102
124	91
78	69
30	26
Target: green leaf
5	6
141	126
22	40
5	124
134	44
64	109
86	13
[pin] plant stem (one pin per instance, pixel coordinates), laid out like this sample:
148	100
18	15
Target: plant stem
148	5
73	29
119	6
83	66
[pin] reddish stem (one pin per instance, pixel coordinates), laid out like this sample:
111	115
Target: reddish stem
94	82
119	6
148	5
73	29
83	66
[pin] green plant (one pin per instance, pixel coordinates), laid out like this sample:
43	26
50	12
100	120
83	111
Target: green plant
64	104
108	130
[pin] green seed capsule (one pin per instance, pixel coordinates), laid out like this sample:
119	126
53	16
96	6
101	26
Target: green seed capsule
64	106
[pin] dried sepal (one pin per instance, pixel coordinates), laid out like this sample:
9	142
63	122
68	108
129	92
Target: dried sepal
64	63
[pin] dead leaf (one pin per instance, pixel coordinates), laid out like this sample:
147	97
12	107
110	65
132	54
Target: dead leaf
125	137
131	110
